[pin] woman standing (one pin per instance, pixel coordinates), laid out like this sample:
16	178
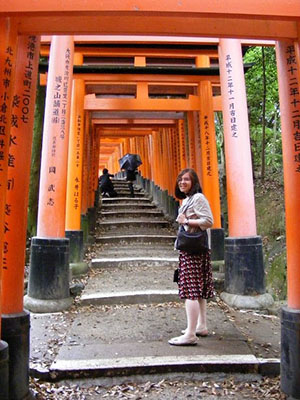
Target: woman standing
195	273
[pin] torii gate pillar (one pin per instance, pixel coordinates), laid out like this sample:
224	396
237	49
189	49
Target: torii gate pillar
48	286
8	44
289	94
74	181
244	267
16	320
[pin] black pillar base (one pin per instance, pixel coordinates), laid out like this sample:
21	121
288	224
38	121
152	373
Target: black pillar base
84	226
97	198
290	352
4	375
244	266
217	244
92	215
15	331
48	285
77	265
76	249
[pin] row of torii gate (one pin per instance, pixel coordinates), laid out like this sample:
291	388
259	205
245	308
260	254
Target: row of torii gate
166	117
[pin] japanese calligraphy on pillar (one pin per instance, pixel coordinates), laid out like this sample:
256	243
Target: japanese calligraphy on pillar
207	146
65	94
182	140
76	192
4	132
294	95
4	106
231	97
25	86
59	111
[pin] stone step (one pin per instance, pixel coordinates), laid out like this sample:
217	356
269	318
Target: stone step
120	222
133	340
125	206
123	226
137	261
132	229
126	193
116	252
135	239
149	250
126	188
132	280
126	297
119	214
127	199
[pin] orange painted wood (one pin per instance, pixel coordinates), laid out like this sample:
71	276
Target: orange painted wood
53	181
8	49
138	52
262	28
255	18
217	103
165	159
289	89
91	160
297	52
19	173
75	157
198	156
125	79
156	158
157	39
191	140
142	103
139	61
97	156
210	173
215	8
182	145
240	193
175	135
85	166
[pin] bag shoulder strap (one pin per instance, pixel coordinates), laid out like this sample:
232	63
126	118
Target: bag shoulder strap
186	206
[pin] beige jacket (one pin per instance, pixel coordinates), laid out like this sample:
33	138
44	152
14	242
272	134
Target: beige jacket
198	209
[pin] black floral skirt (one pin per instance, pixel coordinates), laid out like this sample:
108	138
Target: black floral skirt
195	276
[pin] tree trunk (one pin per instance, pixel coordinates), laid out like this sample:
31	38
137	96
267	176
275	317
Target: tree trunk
263	144
36	160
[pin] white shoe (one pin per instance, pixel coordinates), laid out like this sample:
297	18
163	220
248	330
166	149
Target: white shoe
183	341
201	333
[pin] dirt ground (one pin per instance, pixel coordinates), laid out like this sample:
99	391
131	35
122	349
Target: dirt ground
212	387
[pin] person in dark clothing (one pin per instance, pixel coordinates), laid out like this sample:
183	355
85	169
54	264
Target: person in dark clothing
106	185
130	178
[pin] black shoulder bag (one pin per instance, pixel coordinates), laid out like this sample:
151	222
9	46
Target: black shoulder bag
192	243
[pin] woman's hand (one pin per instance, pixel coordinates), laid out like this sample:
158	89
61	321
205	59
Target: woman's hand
181	219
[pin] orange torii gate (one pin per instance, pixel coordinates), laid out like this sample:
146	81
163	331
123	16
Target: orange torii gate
250	18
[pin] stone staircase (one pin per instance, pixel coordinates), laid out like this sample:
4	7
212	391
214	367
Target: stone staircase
129	308
135	257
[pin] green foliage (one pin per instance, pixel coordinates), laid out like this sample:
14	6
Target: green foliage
276	277
36	161
269	200
256	94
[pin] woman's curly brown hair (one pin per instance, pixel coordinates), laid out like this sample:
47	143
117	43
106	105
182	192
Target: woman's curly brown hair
195	188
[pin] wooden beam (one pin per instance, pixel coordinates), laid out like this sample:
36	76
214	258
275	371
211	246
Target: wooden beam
214	8
91	103
133	122
142	39
132	115
143	24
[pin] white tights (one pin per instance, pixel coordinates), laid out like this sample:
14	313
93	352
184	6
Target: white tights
196	316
